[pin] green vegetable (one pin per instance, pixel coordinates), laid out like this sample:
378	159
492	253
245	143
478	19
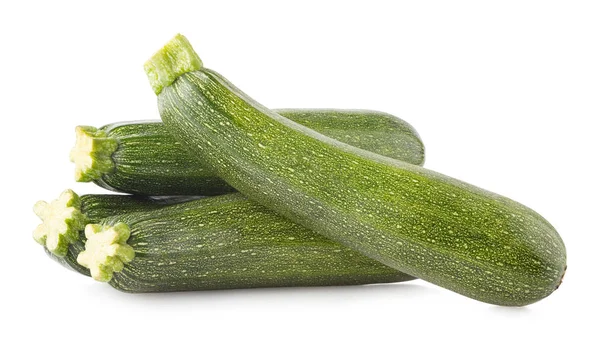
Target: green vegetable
64	219
445	231
206	243
61	222
106	250
219	242
143	158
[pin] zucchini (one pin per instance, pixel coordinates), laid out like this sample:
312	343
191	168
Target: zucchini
217	242
63	220
445	231
143	158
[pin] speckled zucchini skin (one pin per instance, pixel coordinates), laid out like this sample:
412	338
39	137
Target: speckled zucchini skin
228	241
471	241
149	161
98	207
196	227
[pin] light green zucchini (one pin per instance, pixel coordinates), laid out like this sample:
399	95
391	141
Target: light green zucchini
471	241
143	158
217	242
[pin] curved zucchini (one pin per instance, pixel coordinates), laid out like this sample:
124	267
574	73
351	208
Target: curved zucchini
144	159
220	242
471	241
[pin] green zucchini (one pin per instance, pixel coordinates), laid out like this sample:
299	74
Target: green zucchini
217	242
63	220
143	158
471	241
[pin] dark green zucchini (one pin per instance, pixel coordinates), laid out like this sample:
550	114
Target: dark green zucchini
471	241
63	220
220	242
144	159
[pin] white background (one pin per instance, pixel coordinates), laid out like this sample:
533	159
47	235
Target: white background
506	95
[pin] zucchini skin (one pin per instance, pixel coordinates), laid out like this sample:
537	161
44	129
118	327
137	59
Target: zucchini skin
97	207
149	161
460	237
227	242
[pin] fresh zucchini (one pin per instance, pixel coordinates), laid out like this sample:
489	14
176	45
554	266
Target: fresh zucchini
63	220
471	241
209	243
143	158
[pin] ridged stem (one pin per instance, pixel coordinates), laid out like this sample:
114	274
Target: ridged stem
92	153
171	61
62	220
106	250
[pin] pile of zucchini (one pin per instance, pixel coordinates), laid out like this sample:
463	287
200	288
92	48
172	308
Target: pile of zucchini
226	193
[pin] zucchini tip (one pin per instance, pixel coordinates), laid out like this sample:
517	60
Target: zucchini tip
62	221
92	153
106	250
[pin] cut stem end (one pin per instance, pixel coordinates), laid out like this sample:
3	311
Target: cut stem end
92	153
171	61
62	221
106	250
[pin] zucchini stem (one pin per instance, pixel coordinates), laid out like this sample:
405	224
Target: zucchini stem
171	61
106	250
92	153
62	221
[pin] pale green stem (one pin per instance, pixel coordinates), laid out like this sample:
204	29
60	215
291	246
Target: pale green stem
173	60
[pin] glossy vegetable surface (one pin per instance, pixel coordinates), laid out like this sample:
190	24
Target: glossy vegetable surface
68	215
220	242
431	226
143	158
